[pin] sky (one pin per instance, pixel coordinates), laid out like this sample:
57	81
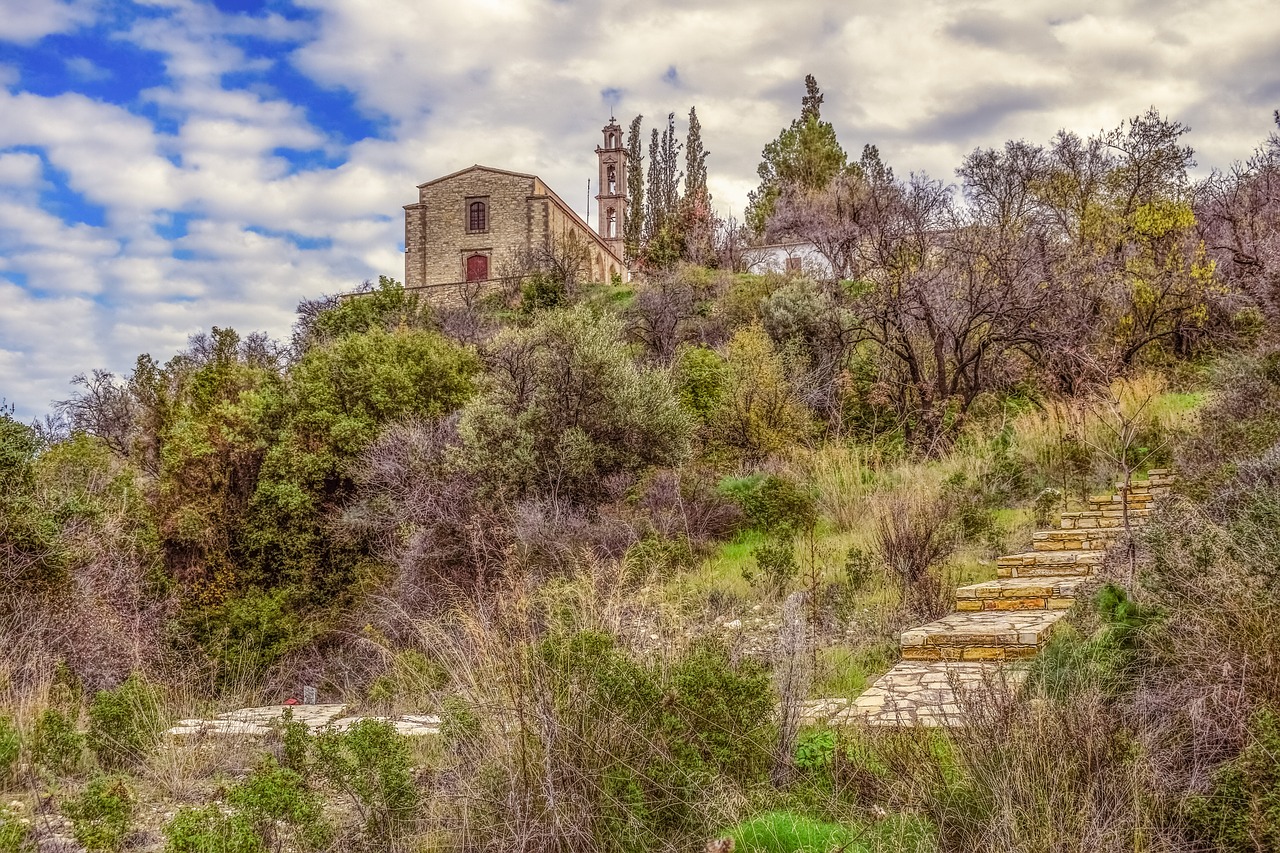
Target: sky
171	165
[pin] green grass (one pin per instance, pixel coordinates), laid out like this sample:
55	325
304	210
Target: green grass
846	671
788	832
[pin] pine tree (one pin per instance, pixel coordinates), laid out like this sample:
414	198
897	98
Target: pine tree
806	154
811	103
633	227
670	176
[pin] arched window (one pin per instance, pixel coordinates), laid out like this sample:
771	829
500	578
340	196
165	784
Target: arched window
477	216
611	138
613	180
613	224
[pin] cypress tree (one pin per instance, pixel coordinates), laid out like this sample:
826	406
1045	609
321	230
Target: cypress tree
633	229
695	158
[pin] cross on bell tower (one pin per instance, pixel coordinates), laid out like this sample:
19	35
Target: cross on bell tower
611	203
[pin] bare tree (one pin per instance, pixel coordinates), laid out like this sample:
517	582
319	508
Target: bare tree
662	313
103	408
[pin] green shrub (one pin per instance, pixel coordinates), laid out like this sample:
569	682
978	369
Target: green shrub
541	292
10	747
295	739
1107	659
1241	812
125	723
278	805
56	745
101	814
1047	502
776	565
15	832
208	830
370	764
815	750
772	504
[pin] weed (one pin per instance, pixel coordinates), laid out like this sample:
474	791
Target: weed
208	830
1241	812
15	832
102	813
10	748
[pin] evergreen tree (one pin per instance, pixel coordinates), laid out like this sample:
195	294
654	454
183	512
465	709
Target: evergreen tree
807	153
633	228
653	189
670	176
695	158
811	103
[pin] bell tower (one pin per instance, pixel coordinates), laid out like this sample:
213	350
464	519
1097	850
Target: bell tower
611	203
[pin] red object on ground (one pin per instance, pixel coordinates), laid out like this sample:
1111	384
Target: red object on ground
291	701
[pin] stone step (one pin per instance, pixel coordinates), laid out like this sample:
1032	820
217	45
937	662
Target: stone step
1096	539
1050	593
1139	501
918	693
981	636
1092	519
1048	563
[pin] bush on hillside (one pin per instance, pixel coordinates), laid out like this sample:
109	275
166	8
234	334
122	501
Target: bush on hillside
125	723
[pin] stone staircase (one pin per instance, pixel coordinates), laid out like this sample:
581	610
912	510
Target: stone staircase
1007	619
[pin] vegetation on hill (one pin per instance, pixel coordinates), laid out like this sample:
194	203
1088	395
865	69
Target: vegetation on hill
606	530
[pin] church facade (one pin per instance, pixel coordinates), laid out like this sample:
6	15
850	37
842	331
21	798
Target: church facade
477	224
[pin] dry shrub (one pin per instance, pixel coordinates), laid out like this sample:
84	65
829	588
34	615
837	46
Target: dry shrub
685	504
913	536
559	739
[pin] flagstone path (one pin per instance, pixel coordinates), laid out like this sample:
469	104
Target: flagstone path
948	663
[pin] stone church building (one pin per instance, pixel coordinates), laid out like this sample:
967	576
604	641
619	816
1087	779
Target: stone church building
476	224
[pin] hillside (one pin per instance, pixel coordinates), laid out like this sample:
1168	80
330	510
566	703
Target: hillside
578	566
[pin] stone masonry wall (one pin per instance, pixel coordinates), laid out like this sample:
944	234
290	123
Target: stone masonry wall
436	238
522	212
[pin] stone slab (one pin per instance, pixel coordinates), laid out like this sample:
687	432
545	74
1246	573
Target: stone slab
982	635
918	694
1048	563
1021	593
409	725
315	716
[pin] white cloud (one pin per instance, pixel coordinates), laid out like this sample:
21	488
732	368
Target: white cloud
519	84
24	21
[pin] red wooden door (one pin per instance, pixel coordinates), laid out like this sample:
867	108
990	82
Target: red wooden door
477	268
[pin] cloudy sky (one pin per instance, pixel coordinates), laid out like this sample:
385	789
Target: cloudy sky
171	165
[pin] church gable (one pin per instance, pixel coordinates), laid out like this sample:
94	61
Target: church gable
477	224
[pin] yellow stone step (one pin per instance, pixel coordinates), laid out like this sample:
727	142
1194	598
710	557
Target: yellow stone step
981	636
1093	519
1048	563
1046	593
1096	539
